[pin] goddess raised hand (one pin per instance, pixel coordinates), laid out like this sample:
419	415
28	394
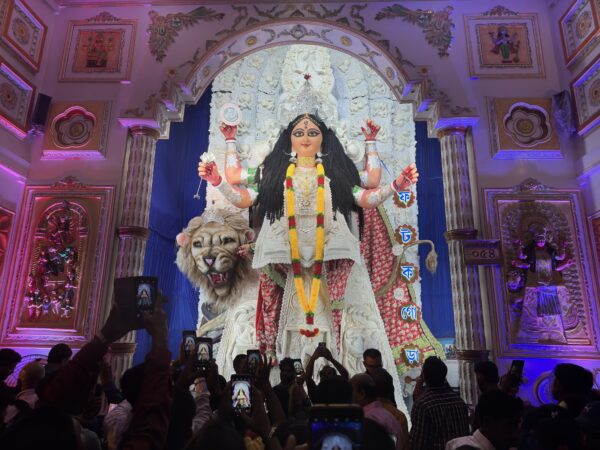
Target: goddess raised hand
370	176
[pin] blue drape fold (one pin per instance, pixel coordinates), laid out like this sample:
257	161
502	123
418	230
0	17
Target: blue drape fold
172	205
436	290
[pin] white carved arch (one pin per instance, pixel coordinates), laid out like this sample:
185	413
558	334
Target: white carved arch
169	103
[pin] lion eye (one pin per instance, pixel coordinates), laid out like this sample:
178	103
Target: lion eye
228	240
197	244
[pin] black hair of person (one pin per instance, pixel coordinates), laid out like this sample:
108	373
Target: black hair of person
339	168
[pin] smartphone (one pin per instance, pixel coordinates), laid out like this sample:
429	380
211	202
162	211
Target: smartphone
241	392
298	367
189	343
136	295
253	360
204	348
336	426
516	369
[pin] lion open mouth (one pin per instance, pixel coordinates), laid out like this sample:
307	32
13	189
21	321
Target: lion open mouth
219	278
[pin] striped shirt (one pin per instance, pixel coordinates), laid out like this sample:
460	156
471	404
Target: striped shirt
438	416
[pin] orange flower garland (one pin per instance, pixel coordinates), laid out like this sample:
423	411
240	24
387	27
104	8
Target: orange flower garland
308	305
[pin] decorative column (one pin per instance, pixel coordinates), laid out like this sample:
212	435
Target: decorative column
466	295
133	229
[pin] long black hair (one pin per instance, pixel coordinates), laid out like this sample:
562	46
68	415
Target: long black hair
339	168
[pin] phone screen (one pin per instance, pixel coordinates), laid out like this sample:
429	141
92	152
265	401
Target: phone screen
253	360
136	295
298	367
241	393
516	368
204	350
189	343
336	427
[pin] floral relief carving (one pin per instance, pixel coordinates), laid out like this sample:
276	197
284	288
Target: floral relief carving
528	125
437	25
499	10
163	30
6	218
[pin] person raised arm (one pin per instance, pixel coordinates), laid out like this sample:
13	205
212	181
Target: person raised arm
370	176
372	198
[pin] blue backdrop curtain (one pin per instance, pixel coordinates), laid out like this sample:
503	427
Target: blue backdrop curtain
436	290
171	207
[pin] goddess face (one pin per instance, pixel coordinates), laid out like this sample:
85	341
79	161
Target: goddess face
306	138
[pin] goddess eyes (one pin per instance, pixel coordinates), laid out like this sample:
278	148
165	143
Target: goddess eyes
311	133
197	244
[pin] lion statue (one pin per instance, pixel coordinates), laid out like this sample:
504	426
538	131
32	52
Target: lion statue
208	256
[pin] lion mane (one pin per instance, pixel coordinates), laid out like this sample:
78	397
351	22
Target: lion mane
225	221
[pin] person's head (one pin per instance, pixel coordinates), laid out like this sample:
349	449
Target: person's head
31	374
499	415
240	363
364	389
286	371
8	361
43	428
551	427
339	168
486	373
376	437
571	380
589	424
372	359
334	390
216	435
327	373
131	381
434	372
59	355
384	383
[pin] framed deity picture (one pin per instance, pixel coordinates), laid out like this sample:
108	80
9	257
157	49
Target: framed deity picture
504	46
580	29
98	49
16	99
23	32
6	219
57	279
544	284
585	89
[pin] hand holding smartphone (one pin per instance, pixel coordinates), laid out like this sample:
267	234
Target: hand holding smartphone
188	343
253	361
136	295
204	351
241	393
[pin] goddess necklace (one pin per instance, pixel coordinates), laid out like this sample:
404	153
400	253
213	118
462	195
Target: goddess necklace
308	305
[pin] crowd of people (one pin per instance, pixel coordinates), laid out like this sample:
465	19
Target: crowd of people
165	404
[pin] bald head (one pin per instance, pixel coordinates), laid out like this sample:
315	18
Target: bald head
31	374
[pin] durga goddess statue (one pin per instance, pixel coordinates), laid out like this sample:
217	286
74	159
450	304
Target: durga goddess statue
311	196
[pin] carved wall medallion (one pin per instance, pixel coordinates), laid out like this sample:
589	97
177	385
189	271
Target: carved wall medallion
57	280
585	89
77	130
544	285
522	128
24	33
16	100
580	29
